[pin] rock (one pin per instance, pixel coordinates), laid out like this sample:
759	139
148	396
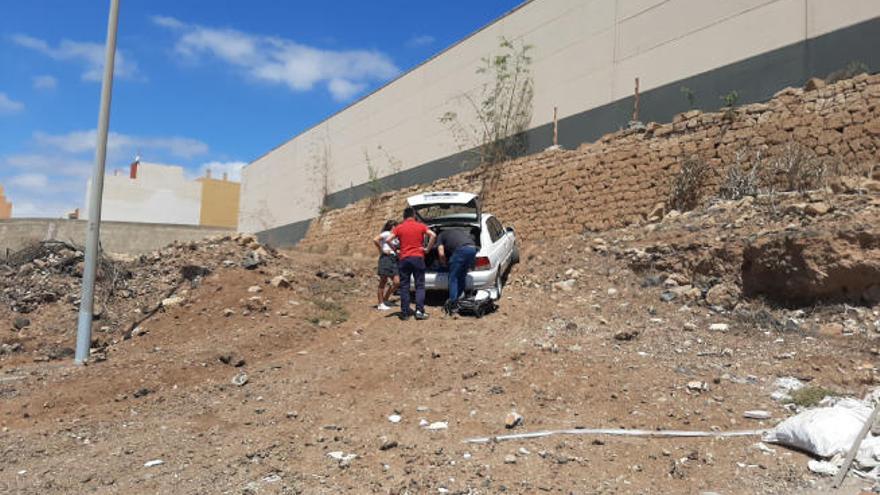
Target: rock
231	360
240	379
280	282
658	210
668	296
20	323
395	418
723	295
813	84
626	335
141	392
387	444
816	209
697	386
872	294
254	289
757	414
170	302
566	285
719	327
342	458
510	459
806	267
252	260
228	312
612	291
512	420
437	425
154	463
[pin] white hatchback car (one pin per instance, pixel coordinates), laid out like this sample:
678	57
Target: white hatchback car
496	246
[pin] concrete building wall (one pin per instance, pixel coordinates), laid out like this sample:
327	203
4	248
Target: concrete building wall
116	237
587	54
5	206
219	202
157	194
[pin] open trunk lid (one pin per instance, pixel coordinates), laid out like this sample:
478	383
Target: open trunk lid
432	207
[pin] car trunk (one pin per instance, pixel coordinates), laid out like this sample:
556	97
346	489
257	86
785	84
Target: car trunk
432	261
442	211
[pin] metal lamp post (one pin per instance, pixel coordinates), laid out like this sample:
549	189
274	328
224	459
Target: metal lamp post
93	232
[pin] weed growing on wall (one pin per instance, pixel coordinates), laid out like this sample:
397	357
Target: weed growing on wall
852	69
730	100
689	95
320	168
500	110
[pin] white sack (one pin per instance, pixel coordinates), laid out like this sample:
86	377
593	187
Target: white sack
824	431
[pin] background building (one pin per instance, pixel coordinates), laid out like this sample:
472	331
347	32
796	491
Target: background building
586	56
155	193
5	206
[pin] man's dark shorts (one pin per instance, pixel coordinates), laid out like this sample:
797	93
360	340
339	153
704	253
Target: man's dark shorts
388	265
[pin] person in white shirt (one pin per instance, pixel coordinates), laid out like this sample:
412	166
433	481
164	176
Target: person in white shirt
387	269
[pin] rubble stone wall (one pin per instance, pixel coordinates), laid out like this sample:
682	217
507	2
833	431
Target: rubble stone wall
116	237
621	178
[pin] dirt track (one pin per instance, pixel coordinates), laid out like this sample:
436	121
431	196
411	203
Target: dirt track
319	388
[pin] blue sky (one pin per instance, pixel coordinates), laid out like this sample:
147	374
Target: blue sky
198	83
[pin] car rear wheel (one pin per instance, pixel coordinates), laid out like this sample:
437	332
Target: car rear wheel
514	256
499	284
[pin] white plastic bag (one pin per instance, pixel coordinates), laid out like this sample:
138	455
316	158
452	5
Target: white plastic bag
824	431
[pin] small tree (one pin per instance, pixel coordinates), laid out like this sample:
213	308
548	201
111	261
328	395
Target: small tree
502	106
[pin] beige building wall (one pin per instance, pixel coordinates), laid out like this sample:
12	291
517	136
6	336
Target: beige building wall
587	54
5	206
220	199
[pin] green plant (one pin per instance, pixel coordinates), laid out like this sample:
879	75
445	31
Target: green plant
810	396
688	184
730	99
501	107
689	96
852	69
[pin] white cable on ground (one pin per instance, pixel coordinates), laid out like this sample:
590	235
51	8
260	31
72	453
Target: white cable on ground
617	432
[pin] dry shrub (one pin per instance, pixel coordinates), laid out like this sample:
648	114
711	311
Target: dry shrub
797	169
688	184
743	177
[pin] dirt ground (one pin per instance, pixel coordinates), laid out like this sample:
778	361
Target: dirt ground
325	371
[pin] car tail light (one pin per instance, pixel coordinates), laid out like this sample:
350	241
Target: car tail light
482	263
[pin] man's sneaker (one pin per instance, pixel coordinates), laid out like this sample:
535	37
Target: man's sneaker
403	316
421	315
383	307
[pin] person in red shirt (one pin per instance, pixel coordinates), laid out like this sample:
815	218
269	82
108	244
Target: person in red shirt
411	234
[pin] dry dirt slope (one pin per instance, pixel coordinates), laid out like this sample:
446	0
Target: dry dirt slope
595	347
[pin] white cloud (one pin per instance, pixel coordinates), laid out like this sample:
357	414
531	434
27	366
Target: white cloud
231	169
90	55
45	82
282	61
421	40
8	105
54	164
123	146
30	181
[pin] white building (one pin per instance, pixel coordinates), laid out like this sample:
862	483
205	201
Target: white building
150	193
587	54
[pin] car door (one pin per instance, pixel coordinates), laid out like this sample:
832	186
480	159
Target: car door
495	251
504	242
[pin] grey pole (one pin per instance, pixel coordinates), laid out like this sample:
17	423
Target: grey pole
93	230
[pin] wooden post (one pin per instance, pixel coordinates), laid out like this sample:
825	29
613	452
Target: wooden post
854	449
555	129
636	103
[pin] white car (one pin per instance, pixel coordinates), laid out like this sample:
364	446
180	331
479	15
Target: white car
496	246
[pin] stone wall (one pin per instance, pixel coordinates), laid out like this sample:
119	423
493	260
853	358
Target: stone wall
116	237
621	178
